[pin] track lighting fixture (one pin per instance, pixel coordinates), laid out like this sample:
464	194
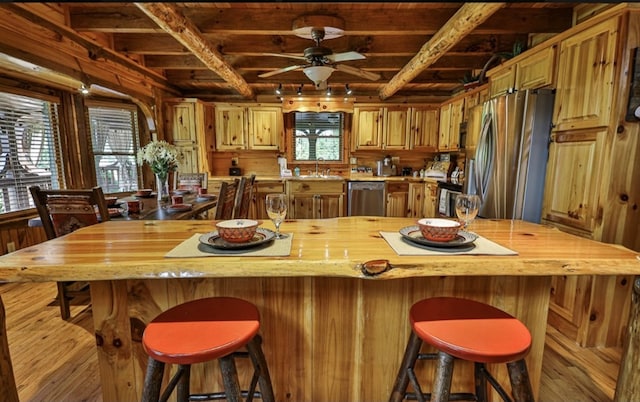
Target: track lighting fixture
300	90
84	90
279	90
328	91
347	90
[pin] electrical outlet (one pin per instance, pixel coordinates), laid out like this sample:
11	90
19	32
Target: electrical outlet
234	161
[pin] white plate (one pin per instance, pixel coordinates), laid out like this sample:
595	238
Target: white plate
214	240
413	234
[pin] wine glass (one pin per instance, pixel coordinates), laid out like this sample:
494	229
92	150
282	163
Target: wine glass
277	210
467	206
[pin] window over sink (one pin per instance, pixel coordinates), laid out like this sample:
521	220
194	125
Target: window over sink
318	136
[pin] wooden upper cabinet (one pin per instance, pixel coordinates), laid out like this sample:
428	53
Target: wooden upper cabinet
573	179
231	126
536	70
396	127
424	128
502	80
266	127
451	115
190	125
367	127
586	75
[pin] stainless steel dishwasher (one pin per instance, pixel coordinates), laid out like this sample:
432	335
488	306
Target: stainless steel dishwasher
366	198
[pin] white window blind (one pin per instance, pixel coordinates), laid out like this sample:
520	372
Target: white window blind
114	142
29	149
318	135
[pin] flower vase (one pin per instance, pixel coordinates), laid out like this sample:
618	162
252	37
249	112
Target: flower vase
162	185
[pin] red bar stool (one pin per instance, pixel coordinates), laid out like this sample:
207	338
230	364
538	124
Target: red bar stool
199	331
468	330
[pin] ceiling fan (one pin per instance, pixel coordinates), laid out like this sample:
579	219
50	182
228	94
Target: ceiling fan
321	62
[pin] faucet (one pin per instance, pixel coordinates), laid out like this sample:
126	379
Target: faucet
317	160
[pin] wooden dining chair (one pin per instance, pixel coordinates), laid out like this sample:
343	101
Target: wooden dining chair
243	197
62	212
227	200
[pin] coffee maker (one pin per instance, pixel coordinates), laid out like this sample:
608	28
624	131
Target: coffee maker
384	167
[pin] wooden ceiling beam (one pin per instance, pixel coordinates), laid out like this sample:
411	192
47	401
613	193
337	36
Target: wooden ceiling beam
170	19
276	20
465	20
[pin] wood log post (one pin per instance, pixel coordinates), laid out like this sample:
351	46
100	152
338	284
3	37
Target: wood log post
628	386
8	390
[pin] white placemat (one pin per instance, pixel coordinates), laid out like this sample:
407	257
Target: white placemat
193	248
481	246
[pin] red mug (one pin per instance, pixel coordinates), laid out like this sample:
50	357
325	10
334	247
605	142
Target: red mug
134	207
177	199
202	190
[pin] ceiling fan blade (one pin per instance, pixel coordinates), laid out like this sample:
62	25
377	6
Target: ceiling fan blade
280	71
346	56
356	71
287	55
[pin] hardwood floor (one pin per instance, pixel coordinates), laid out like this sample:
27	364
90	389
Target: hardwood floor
54	360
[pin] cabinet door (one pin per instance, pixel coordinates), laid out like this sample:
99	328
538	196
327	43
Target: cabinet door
424	129
329	206
431	202
181	122
231	127
266	127
586	75
502	80
573	178
189	157
474	126
416	200
367	128
457	111
260	191
444	127
536	70
397	199
396	128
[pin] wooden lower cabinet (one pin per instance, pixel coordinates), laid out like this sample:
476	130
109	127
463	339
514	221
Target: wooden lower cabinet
260	191
417	199
397	199
431	200
592	310
315	199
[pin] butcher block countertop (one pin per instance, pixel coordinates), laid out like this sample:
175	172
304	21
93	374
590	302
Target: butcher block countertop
325	247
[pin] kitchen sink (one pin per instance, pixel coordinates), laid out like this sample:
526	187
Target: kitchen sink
317	177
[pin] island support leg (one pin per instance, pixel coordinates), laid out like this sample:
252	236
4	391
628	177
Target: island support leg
628	386
8	390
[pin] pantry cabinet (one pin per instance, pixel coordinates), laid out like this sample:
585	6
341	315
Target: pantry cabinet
241	127
189	123
586	77
310	199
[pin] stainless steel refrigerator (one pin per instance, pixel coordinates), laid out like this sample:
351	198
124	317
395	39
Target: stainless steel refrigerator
508	166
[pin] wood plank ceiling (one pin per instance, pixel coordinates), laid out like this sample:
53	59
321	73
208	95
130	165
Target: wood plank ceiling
217	51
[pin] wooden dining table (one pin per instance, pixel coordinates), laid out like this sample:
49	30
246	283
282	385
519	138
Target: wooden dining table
332	329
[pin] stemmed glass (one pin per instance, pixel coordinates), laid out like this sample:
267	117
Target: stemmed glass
277	210
467	206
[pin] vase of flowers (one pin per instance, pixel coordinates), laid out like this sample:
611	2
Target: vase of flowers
162	157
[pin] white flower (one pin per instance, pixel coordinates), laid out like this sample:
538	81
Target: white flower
161	156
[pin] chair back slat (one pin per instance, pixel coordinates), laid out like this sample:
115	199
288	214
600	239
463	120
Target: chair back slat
243	197
226	200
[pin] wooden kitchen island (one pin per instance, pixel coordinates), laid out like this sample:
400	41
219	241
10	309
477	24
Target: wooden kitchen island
331	333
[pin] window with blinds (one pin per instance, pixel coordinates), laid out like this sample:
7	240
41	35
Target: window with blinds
114	142
29	149
318	135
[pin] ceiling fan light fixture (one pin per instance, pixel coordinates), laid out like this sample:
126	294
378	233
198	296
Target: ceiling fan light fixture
318	74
